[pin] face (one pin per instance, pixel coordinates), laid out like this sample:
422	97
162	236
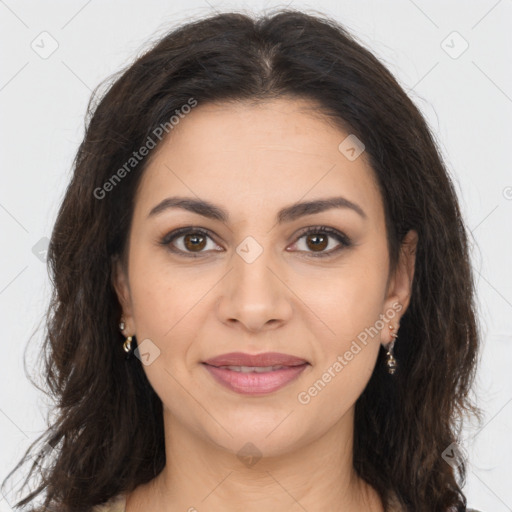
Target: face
252	275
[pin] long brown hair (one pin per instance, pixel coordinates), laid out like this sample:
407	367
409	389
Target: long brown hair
107	433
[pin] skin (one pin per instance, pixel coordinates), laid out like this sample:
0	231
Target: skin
253	160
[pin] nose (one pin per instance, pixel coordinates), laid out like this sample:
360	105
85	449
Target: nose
254	294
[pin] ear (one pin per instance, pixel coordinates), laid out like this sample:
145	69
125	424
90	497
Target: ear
400	284
122	287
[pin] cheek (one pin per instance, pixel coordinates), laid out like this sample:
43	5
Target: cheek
348	301
347	351
169	308
153	300
351	305
161	297
162	304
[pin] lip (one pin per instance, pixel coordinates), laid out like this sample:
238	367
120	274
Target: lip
264	359
255	383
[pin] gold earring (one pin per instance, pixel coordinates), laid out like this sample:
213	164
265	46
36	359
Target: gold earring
127	345
391	362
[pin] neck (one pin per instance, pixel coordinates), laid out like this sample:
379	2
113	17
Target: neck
314	476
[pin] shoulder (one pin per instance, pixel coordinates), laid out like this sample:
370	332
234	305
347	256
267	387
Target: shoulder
115	504
396	507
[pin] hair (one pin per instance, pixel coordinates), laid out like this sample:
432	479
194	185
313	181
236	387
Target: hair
107	433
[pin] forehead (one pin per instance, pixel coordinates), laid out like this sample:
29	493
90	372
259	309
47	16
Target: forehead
244	154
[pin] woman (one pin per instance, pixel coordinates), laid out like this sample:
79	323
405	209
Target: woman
263	293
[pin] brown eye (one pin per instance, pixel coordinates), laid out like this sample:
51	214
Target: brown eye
190	242
194	241
317	242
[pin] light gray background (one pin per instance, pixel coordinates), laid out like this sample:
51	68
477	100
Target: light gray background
466	98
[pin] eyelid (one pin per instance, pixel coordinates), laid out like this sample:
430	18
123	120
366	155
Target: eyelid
343	240
177	233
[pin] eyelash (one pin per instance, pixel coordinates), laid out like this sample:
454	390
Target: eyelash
340	237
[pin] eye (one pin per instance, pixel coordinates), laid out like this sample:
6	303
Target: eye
316	239
188	241
192	241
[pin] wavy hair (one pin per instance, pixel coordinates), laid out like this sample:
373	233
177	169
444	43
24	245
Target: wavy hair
107	431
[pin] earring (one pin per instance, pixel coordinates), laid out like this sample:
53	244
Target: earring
127	345
391	362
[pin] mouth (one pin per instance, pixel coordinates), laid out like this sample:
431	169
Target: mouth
254	369
267	361
256	376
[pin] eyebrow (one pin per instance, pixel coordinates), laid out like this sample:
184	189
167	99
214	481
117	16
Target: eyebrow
287	214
